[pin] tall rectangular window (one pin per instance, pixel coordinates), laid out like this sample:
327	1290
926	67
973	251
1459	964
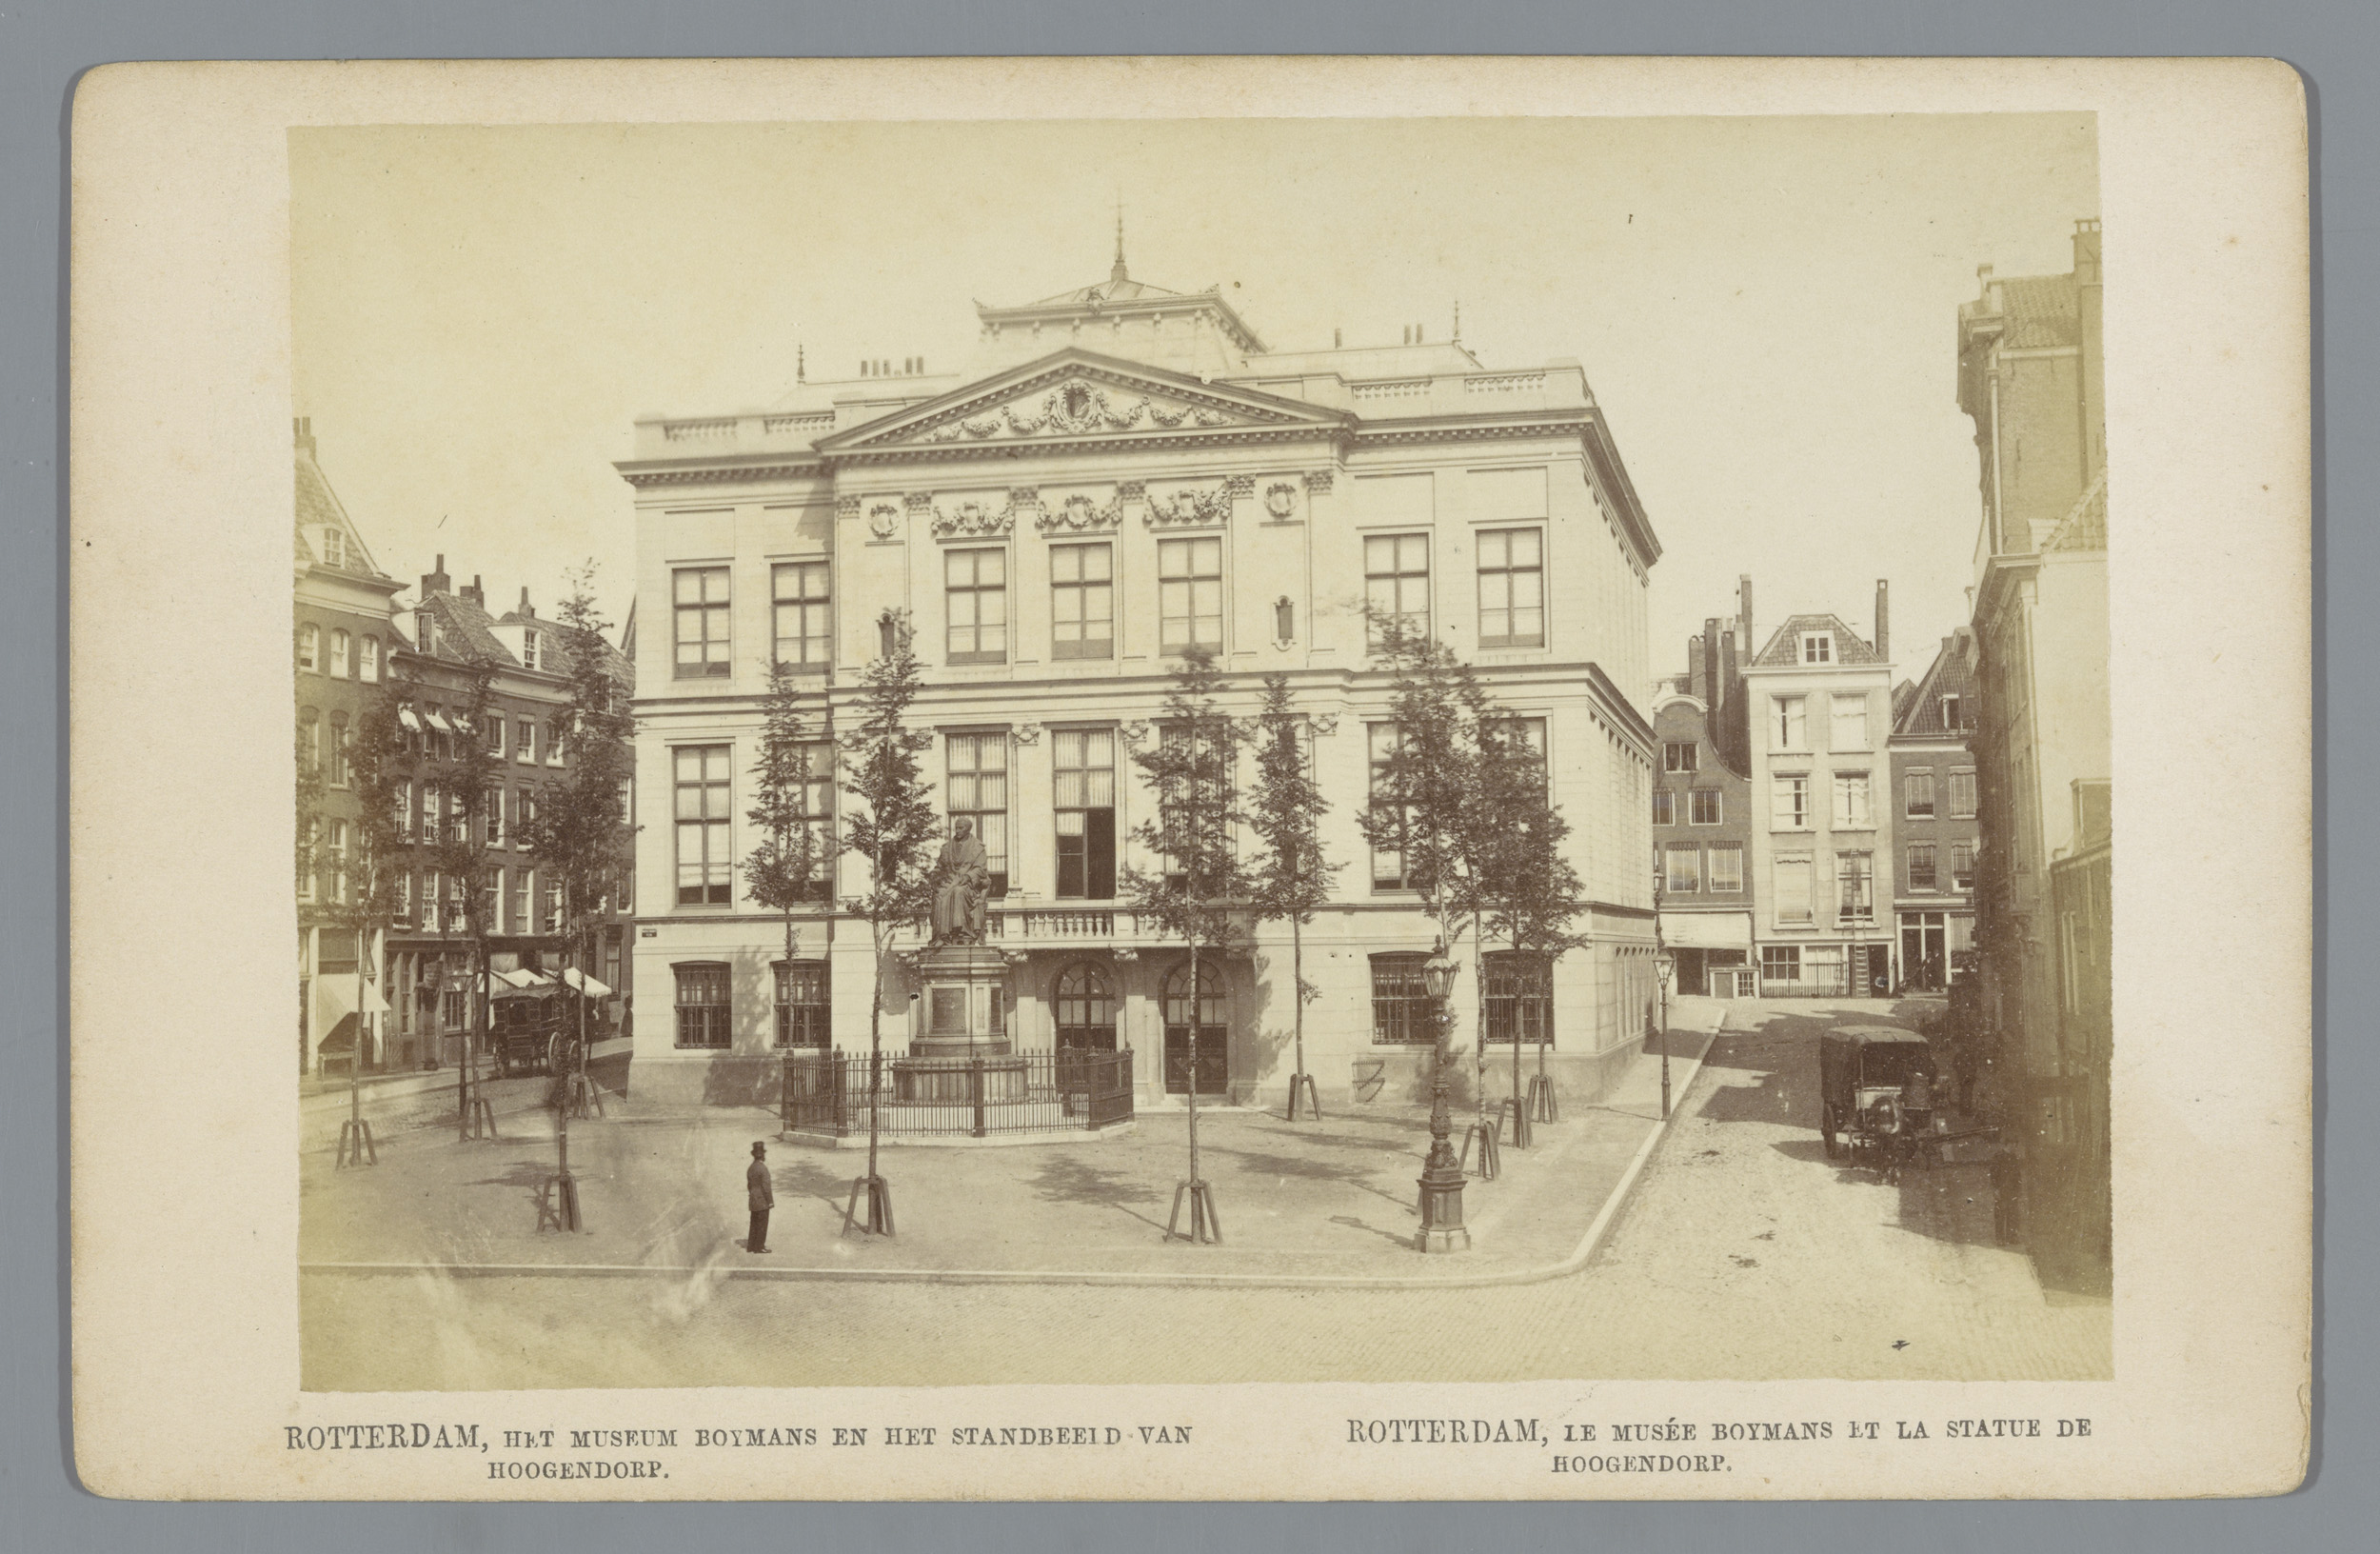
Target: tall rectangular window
1388	864
1962	795
1727	866
1190	593
1512	588
1793	890
1850	731
339	640
805	624
1962	865
703	637
339	862
1664	806
433	902
977	789
975	603
368	660
702	1003
1789	799
1921	866
1950	713
805	1008
1396	584
458	819
523	884
1855	878
818	818
340	744
1918	793
404	811
1702	807
495	802
525	743
1082	601
706	868
551	923
496	903
1086	773
1402	1013
1789	722
1851	800
1682	875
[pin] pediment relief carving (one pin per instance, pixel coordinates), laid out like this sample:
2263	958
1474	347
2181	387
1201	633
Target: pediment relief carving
1081	406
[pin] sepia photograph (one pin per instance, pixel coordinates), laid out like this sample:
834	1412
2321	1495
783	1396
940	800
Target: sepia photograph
1454	750
1178	779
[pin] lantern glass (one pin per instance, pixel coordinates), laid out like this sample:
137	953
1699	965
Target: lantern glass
1438	974
1667	965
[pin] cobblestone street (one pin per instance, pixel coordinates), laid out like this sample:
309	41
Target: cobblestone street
1742	1252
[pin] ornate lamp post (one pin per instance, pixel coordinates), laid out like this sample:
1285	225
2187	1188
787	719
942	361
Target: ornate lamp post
1442	1174
1664	964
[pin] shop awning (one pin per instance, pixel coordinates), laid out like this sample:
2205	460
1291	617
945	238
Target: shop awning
579	981
405	718
438	720
1707	931
334	1000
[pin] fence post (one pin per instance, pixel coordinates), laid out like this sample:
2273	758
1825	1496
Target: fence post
975	1087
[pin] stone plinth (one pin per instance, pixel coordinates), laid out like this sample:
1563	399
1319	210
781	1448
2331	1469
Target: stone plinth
964	1004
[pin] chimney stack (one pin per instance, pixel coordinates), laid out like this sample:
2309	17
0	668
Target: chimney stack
475	593
1883	621
1713	691
1744	616
1695	687
529	611
437	582
305	427
2086	252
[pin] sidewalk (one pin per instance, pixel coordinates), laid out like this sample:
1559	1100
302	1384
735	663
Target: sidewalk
1327	1203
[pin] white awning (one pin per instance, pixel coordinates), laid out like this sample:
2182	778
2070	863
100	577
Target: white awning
405	716
1706	930
438	720
580	982
334	1000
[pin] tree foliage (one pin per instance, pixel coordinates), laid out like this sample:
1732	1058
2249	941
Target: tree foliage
784	870
580	837
892	831
1292	873
1203	891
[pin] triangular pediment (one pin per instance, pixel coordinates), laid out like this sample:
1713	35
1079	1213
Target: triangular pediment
1075	396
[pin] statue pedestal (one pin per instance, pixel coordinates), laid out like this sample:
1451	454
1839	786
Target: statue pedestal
963	1056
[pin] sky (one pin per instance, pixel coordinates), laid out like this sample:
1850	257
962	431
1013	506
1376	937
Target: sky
1765	308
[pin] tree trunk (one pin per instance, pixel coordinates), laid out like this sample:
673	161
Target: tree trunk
1195	1012
1297	996
875	1051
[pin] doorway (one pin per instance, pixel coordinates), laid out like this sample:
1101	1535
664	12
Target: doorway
1925	951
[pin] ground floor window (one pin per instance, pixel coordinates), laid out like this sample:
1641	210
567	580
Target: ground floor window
1518	994
1402	1013
803	1005
702	1003
1195	1039
1780	963
1084	1003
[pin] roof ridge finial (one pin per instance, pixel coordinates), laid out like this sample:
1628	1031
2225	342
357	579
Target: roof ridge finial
1117	273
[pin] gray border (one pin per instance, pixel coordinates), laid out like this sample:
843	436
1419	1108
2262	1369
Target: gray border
42	50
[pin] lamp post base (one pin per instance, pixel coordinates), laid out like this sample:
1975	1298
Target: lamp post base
1441	1207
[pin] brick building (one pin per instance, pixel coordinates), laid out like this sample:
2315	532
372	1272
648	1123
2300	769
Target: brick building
1933	787
1122	473
343	637
432	954
1702	815
2029	375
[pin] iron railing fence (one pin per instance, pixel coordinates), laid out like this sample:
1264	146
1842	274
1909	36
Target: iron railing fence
829	1094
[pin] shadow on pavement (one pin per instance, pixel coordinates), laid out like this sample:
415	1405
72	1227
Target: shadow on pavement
1079	1182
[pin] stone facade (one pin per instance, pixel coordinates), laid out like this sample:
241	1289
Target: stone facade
1125	470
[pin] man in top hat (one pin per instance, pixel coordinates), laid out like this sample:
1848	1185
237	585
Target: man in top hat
762	1196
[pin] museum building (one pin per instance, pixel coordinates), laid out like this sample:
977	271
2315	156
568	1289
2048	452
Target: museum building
1125	472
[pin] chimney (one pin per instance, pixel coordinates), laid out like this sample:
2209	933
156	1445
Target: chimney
2086	252
1714	693
1883	621
475	593
437	582
304	426
1697	687
1743	615
529	611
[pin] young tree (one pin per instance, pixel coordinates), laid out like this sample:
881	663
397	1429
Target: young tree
365	902
580	836
309	801
1293	875
1527	892
466	775
785	870
892	834
1202	892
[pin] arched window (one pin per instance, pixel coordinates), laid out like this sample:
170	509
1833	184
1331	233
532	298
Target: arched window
1086	1006
338	655
368	660
310	647
1204	1045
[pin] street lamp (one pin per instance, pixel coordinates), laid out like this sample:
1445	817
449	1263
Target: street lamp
1442	1174
1664	965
